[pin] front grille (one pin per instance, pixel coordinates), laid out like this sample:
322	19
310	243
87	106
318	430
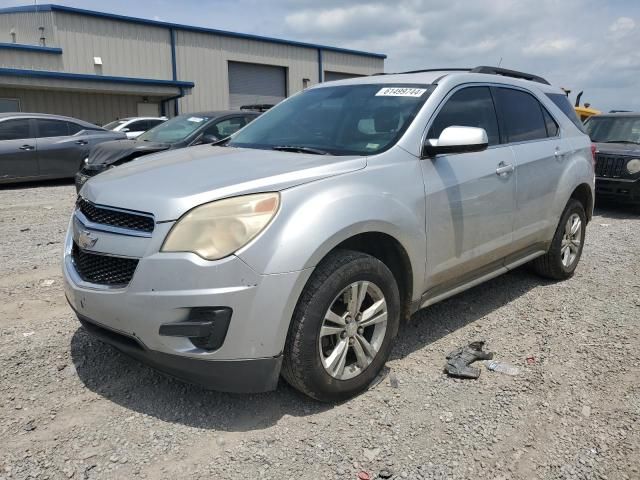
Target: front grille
610	166
103	269
115	218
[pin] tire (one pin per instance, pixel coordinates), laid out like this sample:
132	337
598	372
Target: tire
551	265
326	293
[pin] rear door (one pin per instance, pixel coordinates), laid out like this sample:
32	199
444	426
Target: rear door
470	197
60	153
18	149
540	151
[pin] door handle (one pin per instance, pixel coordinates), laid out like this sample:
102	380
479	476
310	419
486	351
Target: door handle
81	142
503	169
558	154
27	147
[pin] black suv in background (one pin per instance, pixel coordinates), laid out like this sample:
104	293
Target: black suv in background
617	138
36	146
179	132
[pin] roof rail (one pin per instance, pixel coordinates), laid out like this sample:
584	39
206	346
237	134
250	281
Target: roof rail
455	69
509	73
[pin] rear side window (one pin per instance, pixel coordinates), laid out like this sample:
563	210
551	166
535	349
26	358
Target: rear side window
52	128
469	107
521	115
552	127
14	129
562	102
74	128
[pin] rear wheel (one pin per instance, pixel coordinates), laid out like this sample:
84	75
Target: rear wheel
343	327
561	260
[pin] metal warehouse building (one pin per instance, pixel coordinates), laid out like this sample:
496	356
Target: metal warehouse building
99	67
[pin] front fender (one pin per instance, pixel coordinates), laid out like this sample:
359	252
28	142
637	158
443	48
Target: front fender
316	217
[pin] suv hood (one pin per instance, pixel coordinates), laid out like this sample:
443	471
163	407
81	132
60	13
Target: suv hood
171	183
114	151
619	148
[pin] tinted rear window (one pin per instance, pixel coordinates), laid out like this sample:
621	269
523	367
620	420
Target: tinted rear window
521	115
563	104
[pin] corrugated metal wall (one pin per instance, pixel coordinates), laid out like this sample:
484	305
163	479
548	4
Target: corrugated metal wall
26	26
93	107
127	49
203	58
144	51
347	63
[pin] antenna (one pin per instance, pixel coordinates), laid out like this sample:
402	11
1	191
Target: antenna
499	63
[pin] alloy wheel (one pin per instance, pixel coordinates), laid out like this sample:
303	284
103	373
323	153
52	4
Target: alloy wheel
353	330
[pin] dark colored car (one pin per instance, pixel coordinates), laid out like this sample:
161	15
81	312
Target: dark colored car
179	132
617	138
36	146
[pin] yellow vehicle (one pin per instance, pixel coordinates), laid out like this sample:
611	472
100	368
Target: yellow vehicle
585	111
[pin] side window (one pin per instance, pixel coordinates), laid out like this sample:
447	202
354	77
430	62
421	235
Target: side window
562	102
227	127
139	126
51	128
552	127
521	115
74	128
14	129
153	123
469	107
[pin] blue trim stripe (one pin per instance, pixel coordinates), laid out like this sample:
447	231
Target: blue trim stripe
177	26
16	72
31	48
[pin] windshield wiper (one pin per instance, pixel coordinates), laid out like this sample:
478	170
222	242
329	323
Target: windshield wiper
294	148
622	141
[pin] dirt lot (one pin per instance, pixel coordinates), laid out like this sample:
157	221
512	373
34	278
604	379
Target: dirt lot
71	407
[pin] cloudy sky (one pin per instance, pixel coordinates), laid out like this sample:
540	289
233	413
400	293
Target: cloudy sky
590	45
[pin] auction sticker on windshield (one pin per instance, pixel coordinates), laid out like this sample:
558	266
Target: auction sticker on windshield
195	119
400	92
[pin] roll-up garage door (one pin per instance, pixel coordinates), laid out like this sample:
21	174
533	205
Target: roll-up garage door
330	76
251	84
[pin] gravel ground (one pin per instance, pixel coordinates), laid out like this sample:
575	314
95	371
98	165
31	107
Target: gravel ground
72	407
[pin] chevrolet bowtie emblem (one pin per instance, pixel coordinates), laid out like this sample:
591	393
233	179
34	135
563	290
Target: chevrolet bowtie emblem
87	240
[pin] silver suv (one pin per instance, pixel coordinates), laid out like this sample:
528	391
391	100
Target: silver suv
298	245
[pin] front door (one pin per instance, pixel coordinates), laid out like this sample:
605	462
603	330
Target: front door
18	151
470	197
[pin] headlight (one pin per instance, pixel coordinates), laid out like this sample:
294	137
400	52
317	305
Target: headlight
86	160
633	166
217	229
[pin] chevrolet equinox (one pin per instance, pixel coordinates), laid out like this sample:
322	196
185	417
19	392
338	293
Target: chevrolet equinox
296	247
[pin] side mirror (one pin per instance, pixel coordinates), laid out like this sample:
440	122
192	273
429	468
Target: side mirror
209	138
456	140
125	130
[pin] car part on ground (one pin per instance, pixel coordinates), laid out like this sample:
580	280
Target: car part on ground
459	360
324	222
179	132
37	146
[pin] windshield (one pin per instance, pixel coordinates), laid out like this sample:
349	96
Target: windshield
358	119
614	129
174	130
114	124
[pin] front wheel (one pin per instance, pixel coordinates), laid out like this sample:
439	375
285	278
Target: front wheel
343	326
560	262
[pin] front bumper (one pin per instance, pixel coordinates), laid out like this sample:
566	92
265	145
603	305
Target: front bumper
165	288
240	376
619	190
